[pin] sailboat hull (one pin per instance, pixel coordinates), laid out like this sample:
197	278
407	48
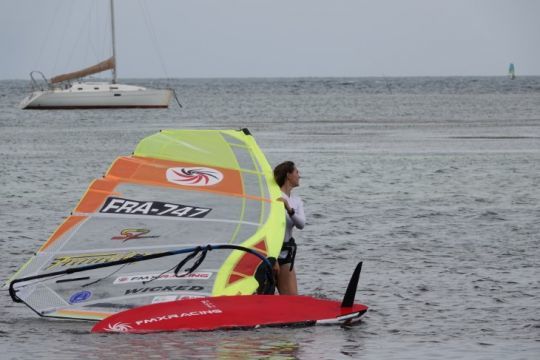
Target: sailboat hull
108	99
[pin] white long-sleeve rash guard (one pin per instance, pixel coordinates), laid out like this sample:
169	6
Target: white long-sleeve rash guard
298	220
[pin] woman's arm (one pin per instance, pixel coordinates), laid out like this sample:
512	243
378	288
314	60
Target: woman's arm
298	217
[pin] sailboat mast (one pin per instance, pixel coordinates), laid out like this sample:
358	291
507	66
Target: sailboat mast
113	43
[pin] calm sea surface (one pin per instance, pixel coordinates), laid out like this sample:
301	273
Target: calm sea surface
433	182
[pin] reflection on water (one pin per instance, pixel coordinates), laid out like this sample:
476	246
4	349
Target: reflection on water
250	347
234	344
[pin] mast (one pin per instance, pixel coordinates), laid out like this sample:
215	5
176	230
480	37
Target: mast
113	43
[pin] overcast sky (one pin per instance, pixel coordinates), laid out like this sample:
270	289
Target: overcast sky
273	38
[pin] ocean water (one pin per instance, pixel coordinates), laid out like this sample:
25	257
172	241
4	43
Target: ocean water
433	182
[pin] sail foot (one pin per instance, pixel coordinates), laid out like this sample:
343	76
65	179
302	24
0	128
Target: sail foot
94	69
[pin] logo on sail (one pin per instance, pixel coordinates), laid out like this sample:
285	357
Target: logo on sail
90	259
131	234
194	176
114	205
165	276
80	296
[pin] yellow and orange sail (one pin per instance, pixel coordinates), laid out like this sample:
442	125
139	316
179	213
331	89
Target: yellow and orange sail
180	188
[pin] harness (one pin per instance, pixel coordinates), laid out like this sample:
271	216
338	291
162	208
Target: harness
290	247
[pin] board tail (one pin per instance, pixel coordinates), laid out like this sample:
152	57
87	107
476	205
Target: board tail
348	299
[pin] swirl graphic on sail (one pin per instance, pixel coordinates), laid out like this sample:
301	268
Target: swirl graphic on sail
194	176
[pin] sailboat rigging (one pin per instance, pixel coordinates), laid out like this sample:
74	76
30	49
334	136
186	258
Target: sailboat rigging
61	93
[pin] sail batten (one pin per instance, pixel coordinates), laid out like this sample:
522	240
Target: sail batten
105	65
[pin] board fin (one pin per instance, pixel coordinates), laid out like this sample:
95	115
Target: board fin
348	299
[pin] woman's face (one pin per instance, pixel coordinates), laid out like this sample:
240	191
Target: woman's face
294	177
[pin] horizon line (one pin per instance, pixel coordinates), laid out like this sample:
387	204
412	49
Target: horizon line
287	77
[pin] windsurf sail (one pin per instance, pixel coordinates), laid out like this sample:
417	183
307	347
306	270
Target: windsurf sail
512	71
180	190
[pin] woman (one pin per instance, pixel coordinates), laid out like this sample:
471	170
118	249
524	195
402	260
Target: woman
287	177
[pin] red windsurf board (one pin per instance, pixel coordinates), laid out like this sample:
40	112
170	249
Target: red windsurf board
226	312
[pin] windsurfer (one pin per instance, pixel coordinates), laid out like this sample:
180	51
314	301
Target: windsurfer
287	177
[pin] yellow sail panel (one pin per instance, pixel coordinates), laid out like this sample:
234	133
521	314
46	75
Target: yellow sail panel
205	147
94	69
234	150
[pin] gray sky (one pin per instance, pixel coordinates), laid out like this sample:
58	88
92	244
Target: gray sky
273	38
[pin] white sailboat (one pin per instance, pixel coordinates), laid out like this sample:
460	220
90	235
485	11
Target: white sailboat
60	93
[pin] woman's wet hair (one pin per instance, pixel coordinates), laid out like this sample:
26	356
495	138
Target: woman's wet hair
281	171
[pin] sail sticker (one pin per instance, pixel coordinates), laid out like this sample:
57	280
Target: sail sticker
131	234
90	259
163	289
167	276
115	205
80	296
194	176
